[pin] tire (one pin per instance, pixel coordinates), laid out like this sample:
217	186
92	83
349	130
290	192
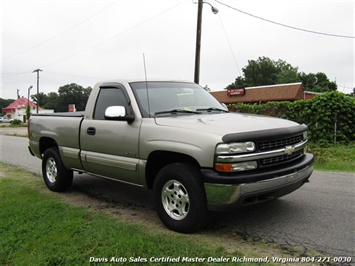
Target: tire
179	197
55	175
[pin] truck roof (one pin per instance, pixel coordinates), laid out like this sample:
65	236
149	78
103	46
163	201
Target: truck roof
142	80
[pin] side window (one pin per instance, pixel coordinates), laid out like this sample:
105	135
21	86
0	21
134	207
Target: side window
108	97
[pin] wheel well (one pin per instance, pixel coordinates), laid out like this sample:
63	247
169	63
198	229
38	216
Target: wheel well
46	143
158	159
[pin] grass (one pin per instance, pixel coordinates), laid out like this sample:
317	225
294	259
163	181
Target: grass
39	229
13	125
334	157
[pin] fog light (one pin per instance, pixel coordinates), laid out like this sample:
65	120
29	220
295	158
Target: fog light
244	166
236	167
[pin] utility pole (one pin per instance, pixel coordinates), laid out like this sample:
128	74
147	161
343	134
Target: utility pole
198	37
37	70
198	42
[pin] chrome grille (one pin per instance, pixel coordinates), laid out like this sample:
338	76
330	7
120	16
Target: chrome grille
280	159
279	143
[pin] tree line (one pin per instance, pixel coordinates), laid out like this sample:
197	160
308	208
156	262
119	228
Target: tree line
67	94
265	71
262	71
59	101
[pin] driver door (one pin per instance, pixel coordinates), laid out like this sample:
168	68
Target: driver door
110	147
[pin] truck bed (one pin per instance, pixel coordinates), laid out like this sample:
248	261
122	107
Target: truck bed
63	114
63	129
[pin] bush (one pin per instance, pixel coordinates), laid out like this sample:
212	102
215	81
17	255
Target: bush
16	122
329	116
333	117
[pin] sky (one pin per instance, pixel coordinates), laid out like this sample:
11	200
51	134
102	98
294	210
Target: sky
86	41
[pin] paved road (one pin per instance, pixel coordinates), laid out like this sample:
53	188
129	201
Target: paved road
320	215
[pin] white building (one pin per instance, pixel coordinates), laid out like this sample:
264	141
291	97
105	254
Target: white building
17	109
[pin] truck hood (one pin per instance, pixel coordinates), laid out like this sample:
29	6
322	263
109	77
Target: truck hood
225	123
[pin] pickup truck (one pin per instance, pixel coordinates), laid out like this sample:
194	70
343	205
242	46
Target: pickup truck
176	139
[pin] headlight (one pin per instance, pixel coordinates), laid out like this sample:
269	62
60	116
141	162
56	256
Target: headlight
237	147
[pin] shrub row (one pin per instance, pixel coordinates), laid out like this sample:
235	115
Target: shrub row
330	116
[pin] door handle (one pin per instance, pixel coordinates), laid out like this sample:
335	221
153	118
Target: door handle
91	131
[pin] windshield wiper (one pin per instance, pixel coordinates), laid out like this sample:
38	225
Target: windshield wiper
177	111
212	109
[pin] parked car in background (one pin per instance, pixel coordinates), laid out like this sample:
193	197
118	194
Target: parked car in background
4	119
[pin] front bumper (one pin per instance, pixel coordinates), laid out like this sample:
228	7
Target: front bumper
238	191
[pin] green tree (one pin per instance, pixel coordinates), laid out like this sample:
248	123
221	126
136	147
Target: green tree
265	71
317	82
42	99
5	102
260	72
287	73
238	83
52	101
28	111
72	94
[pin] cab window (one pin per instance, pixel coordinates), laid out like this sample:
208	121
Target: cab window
109	97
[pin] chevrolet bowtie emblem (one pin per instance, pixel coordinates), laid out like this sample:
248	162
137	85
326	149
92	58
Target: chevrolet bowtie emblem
289	150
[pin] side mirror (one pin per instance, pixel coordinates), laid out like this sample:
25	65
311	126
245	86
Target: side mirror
118	113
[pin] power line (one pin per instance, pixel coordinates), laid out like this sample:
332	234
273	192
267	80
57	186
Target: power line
12	74
114	36
285	25
74	75
61	33
230	46
6	75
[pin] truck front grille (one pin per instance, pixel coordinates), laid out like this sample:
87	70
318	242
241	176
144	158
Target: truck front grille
273	150
279	143
280	159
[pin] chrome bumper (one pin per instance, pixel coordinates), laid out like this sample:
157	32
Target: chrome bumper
226	196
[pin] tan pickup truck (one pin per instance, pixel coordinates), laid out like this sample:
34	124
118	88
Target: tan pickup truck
176	139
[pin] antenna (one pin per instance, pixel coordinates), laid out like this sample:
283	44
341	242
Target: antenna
146	85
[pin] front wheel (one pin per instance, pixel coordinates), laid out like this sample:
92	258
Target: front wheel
179	197
55	175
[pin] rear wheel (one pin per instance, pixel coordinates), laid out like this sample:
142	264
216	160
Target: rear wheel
55	175
179	197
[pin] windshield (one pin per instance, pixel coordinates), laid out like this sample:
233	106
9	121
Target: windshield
170	98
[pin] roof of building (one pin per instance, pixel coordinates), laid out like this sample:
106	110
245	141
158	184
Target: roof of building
20	103
280	92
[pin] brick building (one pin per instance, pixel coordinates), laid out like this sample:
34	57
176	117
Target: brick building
261	94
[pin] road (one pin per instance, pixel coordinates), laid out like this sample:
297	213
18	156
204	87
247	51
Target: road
319	216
